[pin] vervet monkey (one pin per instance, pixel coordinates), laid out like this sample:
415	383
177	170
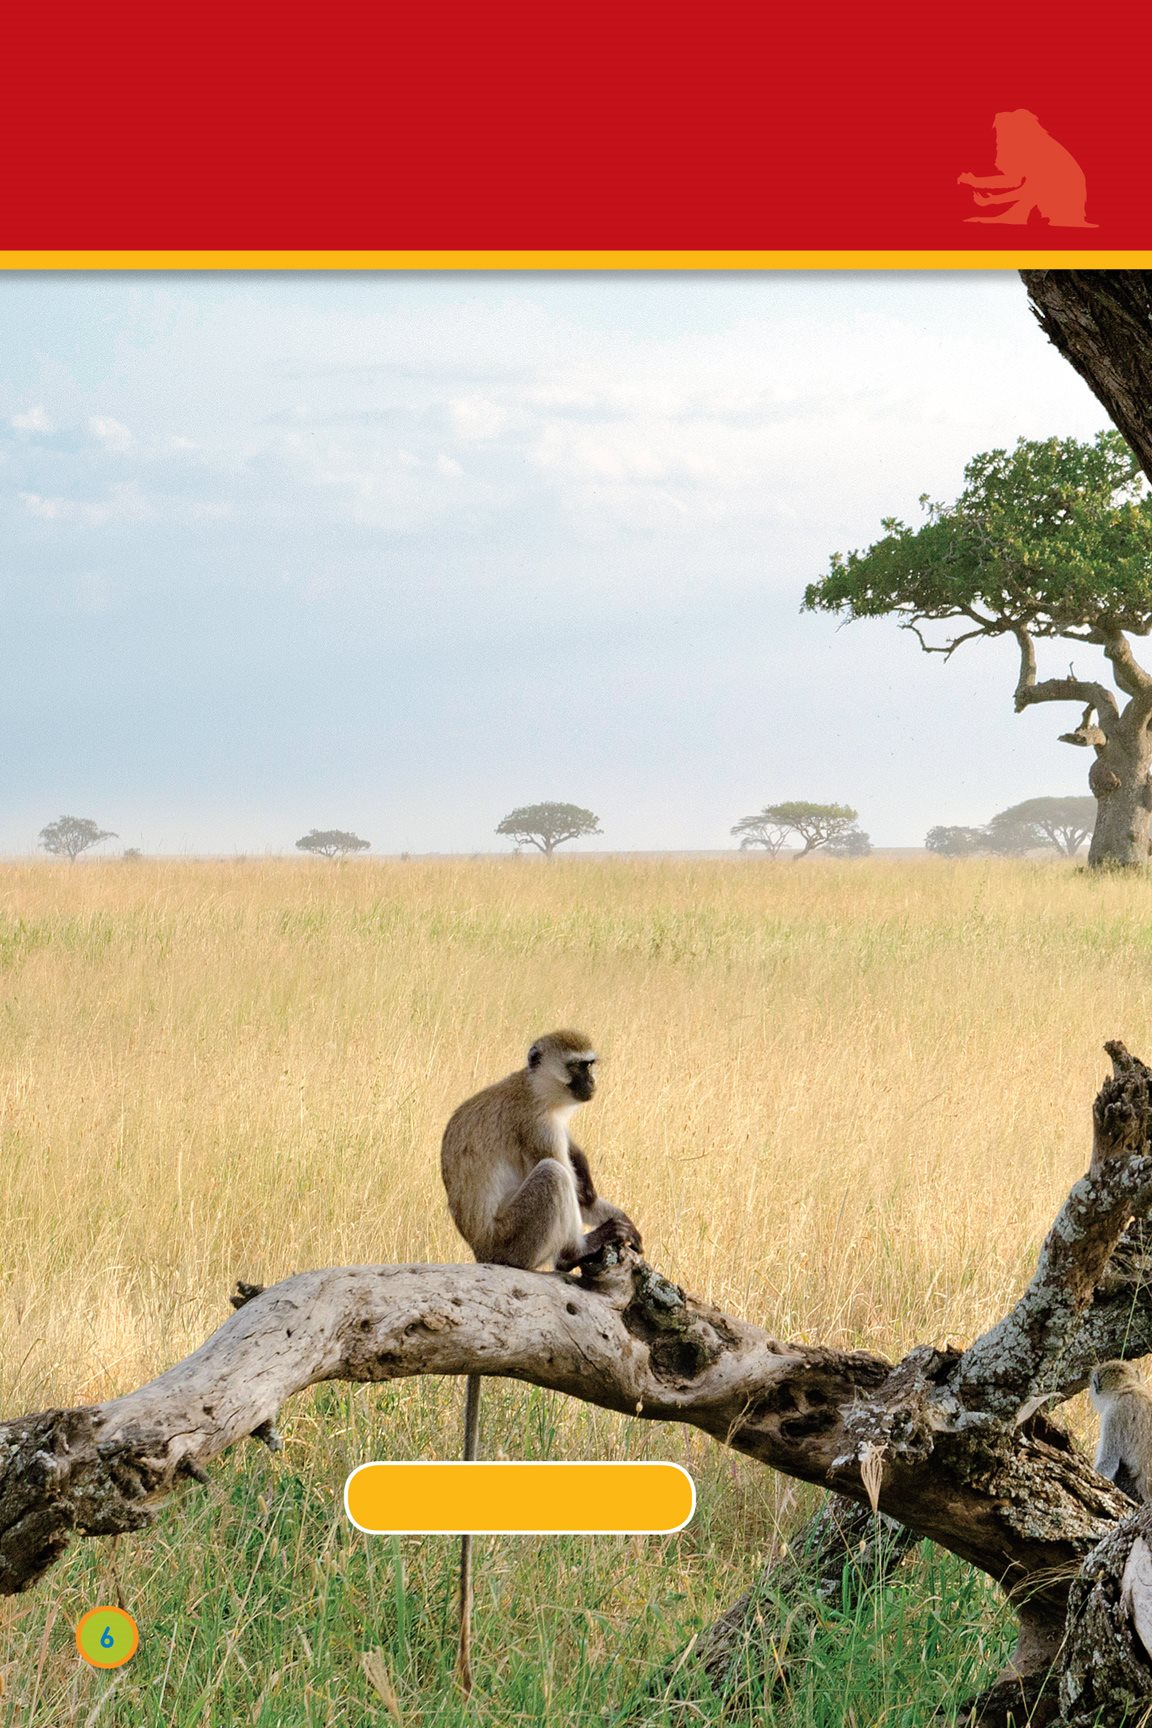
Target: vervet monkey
520	1192
519	1189
1124	1399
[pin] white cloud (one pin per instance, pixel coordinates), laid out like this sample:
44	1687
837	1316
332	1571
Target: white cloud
123	501
682	452
32	420
477	418
48	509
113	434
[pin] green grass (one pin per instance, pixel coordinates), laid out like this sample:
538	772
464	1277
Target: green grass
258	1603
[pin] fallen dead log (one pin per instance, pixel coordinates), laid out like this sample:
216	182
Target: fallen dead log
958	1446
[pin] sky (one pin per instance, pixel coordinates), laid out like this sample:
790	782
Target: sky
397	553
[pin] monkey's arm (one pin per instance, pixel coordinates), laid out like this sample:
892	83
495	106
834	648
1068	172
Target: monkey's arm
1110	1462
594	1209
1127	1482
1001	182
585	1187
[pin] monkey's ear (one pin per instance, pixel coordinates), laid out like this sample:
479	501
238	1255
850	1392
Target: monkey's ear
534	1056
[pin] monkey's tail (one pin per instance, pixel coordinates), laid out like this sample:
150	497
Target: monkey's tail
471	1448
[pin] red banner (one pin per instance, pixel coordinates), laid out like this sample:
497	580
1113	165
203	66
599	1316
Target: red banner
598	127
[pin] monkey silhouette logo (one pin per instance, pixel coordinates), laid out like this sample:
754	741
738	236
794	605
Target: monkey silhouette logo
1033	173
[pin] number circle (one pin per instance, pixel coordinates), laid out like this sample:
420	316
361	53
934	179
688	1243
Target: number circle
107	1637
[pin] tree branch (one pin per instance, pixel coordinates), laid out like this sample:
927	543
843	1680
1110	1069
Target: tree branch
945	648
1029	691
1130	676
1025	1353
1118	1320
629	1341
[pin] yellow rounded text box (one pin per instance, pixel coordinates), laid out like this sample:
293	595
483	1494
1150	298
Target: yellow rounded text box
489	1498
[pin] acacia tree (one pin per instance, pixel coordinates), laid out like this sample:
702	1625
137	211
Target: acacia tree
1010	839
1062	823
852	843
762	830
68	836
816	824
546	826
1050	540
331	843
957	1445
955	842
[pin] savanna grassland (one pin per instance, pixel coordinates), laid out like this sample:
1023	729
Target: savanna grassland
842	1099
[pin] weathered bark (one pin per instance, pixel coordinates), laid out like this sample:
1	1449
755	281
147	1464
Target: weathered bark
955	1446
1025	1355
1101	322
1106	1672
1119	776
1118	780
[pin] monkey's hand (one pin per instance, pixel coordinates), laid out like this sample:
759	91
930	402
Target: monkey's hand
602	1211
633	1239
615	1232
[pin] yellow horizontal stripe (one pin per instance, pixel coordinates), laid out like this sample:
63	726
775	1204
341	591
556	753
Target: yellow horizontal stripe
489	1498
570	260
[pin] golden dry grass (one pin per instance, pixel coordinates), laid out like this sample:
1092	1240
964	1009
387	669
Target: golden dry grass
844	1099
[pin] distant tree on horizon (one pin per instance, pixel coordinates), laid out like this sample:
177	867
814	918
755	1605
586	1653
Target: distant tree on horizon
853	843
1010	838
955	842
816	824
68	836
1062	823
763	831
331	843
548	825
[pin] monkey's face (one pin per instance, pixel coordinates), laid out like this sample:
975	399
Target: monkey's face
1112	1377
561	1066
581	1078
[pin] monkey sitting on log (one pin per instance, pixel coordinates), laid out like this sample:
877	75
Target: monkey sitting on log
520	1192
1124	1399
519	1189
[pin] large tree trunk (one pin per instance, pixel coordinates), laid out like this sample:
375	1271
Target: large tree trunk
1118	780
953	1445
1101	321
